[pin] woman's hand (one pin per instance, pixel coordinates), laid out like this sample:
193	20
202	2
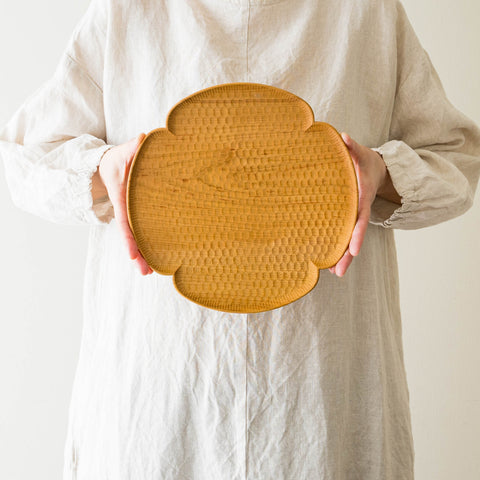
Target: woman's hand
373	179
112	177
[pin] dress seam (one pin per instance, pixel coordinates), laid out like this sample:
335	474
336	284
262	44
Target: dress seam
84	72
246	399
247	42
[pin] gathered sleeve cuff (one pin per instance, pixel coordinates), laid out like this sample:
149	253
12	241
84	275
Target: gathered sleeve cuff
433	150
53	144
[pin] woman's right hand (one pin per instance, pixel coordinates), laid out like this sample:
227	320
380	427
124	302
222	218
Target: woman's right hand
112	177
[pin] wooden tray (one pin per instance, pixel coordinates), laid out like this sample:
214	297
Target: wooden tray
242	198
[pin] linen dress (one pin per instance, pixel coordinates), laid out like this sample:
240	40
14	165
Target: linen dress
167	389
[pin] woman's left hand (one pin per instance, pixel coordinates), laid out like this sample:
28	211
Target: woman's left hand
373	178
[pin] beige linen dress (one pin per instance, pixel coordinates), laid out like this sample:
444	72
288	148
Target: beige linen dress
167	389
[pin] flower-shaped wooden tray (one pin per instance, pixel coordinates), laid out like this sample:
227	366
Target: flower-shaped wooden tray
242	197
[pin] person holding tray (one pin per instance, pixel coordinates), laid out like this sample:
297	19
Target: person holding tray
168	389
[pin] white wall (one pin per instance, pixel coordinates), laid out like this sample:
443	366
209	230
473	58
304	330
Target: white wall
41	269
439	275
42	266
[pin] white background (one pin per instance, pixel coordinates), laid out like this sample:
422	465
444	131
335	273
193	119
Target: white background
41	273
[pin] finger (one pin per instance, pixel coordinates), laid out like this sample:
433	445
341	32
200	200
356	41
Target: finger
343	264
121	217
346	138
351	144
143	266
361	226
133	146
356	151
120	209
364	202
121	213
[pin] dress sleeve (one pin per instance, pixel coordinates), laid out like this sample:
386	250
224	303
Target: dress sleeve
433	152
53	144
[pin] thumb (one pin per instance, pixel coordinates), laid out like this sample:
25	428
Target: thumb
131	149
352	145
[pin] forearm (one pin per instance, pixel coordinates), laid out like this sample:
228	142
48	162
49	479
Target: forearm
387	191
99	192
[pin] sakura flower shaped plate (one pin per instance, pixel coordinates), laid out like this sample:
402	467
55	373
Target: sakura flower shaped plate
243	197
